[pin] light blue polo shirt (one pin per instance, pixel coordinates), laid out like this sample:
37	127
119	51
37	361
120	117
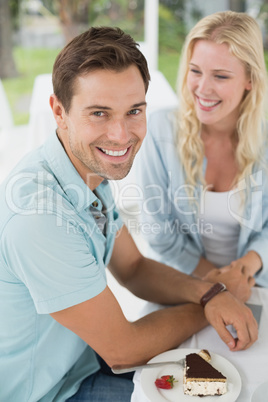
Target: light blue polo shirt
53	256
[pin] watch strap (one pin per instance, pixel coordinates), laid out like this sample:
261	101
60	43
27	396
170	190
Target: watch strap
213	291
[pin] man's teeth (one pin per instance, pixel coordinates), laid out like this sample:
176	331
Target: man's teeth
208	103
114	153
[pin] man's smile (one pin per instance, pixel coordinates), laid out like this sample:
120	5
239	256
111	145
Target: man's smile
114	153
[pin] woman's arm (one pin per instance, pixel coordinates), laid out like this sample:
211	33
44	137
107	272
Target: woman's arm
203	268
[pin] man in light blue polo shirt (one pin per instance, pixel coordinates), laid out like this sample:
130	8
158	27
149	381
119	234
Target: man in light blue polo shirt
60	229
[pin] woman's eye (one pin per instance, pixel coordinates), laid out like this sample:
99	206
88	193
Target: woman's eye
195	71
222	77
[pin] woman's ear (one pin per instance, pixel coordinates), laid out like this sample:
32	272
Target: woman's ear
58	111
248	86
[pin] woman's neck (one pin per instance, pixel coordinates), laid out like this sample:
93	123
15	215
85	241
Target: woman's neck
217	134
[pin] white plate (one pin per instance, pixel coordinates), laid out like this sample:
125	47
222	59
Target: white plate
260	394
154	394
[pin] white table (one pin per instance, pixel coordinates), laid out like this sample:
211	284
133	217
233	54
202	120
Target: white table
251	363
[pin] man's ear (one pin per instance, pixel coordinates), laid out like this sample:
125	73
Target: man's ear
58	111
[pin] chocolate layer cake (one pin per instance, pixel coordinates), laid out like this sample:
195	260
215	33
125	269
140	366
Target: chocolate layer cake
201	378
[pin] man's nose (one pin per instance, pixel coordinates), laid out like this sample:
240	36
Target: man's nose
118	131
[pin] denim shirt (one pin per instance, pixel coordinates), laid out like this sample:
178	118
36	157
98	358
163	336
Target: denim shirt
170	218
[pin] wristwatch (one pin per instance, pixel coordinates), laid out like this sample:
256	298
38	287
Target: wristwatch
213	291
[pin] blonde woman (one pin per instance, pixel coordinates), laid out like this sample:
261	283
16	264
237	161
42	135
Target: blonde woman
203	167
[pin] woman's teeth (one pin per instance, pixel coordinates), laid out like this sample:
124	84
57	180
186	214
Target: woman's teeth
207	103
114	153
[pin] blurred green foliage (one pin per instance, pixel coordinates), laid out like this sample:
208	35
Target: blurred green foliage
168	64
14	11
171	30
129	15
30	63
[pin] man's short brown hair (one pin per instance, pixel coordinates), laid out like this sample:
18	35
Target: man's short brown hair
98	48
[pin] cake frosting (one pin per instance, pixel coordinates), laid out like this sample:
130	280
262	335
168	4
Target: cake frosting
201	378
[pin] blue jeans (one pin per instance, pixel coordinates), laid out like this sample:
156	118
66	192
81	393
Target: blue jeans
104	386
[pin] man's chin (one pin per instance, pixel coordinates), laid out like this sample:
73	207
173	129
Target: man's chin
117	173
116	176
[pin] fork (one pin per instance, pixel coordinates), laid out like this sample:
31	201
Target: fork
120	368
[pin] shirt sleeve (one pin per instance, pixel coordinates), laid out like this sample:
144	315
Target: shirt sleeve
259	244
55	262
254	229
160	221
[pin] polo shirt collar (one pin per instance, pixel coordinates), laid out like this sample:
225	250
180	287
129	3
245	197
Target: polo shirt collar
69	179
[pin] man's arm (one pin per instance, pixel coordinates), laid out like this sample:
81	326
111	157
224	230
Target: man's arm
101	323
156	282
159	283
149	279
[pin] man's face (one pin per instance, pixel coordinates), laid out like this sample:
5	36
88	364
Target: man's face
106	123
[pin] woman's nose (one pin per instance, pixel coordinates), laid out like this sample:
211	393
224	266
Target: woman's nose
204	85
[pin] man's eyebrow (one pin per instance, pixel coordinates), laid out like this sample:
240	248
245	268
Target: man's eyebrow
101	107
139	104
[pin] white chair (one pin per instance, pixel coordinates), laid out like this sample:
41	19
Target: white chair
13	139
41	122
6	120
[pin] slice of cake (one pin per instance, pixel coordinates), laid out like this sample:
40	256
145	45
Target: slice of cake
201	378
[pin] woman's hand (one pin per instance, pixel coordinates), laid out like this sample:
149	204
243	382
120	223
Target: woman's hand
236	278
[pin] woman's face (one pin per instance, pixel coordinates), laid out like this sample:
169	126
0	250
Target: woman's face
217	81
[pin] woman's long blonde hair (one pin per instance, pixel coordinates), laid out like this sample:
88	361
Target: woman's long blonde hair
243	36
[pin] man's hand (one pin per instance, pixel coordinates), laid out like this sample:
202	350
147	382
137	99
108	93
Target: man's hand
223	310
235	277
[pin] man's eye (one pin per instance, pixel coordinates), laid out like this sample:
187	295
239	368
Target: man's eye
99	114
134	111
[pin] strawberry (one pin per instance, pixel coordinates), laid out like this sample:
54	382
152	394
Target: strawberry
165	382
